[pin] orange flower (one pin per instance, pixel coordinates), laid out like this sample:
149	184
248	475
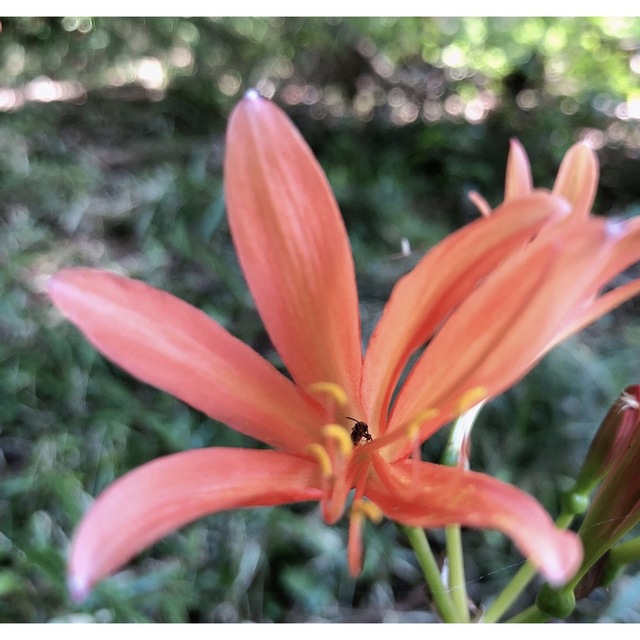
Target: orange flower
490	300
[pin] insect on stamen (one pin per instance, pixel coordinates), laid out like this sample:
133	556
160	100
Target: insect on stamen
360	430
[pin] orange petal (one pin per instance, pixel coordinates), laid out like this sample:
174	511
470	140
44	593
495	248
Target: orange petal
508	322
292	246
433	495
624	251
518	182
421	300
175	347
598	308
577	179
161	496
626	237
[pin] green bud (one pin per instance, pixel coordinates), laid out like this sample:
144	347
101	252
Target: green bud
574	502
557	603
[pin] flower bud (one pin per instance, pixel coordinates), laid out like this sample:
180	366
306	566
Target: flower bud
615	509
558	603
612	439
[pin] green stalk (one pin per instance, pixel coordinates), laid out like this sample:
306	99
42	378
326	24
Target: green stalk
457	582
455	456
625	552
532	614
431	572
510	593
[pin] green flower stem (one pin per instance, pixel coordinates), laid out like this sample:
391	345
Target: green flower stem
564	520
510	593
457	583
625	552
455	455
532	614
431	572
518	583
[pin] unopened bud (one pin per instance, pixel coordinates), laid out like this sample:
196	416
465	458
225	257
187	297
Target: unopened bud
612	440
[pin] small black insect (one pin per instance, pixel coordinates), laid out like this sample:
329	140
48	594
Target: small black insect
360	430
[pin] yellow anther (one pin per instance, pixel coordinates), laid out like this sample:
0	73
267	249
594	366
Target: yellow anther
321	455
424	416
340	435
335	391
367	509
471	398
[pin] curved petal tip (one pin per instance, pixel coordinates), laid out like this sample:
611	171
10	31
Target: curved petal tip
79	588
53	281
252	94
564	560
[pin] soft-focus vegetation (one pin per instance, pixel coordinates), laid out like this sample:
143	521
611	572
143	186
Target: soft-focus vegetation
111	138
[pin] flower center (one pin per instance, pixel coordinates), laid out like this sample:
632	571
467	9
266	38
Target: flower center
335	449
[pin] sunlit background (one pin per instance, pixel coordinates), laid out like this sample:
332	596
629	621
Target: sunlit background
111	146
395	68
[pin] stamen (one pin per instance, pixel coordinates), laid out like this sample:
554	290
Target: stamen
367	509
333	457
335	392
413	433
480	202
359	511
403	433
414	427
321	455
326	481
340	435
354	545
416	459
471	398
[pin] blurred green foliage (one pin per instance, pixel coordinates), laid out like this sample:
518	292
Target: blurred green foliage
111	138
